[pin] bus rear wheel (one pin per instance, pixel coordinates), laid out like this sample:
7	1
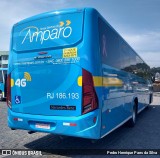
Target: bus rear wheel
132	121
1	96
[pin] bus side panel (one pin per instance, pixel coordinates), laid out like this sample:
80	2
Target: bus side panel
122	68
143	94
114	109
116	105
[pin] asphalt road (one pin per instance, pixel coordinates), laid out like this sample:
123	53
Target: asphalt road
145	135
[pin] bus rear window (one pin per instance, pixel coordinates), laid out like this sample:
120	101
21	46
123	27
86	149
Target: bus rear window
49	32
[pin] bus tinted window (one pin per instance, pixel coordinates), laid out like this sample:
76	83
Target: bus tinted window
142	69
108	46
117	53
48	32
125	56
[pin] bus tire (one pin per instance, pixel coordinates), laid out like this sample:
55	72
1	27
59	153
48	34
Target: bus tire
1	96
147	107
132	121
94	141
150	98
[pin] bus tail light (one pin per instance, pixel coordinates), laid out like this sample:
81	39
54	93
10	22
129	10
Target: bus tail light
90	100
9	90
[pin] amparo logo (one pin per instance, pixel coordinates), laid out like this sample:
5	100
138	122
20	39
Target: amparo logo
34	34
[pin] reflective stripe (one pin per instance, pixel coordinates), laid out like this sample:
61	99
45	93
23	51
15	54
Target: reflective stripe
103	81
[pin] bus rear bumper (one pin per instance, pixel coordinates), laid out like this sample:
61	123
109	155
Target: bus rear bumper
85	126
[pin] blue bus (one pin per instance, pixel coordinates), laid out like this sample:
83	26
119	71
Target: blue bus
3	81
70	73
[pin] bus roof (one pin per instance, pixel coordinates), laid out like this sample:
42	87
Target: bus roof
55	12
71	10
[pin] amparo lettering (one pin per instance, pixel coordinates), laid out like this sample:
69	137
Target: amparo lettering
34	35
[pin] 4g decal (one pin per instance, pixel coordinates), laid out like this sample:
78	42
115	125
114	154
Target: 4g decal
22	82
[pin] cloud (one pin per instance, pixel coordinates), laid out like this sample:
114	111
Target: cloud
151	58
144	42
13	11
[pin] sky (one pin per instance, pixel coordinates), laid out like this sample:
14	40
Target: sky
137	21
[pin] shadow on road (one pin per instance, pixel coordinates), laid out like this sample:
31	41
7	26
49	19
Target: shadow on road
145	135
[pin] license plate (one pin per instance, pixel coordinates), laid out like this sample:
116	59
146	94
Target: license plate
42	126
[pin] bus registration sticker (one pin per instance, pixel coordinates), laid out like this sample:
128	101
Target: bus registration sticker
70	52
42	125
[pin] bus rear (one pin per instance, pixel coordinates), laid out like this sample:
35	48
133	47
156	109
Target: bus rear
49	87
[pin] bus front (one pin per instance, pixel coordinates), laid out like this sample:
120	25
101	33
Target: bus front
49	87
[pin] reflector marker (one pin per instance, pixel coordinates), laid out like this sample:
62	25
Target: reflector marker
69	124
12	82
79	81
17	119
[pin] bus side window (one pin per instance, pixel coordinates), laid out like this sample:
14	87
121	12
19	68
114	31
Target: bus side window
109	45
1	78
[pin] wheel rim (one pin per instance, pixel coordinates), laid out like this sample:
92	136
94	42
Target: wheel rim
134	115
0	96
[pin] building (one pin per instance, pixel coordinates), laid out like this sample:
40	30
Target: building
4	59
